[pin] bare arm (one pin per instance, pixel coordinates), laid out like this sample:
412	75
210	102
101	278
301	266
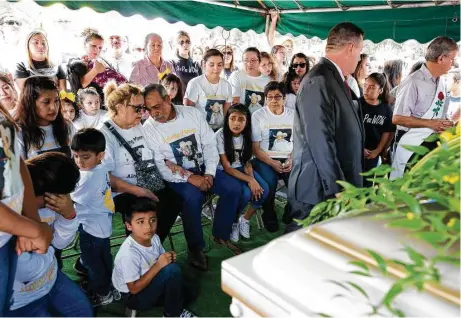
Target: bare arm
438	125
20	84
273	25
188	102
62	84
88	77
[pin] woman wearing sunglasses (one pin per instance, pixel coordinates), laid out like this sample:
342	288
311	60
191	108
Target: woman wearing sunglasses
299	64
184	65
126	107
229	62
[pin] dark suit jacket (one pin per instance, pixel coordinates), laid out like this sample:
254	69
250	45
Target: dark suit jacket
328	137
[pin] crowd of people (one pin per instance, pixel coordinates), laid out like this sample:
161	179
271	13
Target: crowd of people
152	139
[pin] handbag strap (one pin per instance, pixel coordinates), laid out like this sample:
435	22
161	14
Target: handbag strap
123	142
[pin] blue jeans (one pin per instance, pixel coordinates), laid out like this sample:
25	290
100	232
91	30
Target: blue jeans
65	299
246	192
166	286
229	191
96	257
8	260
271	177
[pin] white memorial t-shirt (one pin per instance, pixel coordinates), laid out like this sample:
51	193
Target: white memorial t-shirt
86	121
238	147
250	89
273	132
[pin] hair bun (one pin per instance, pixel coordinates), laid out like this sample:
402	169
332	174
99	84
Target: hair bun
88	31
109	88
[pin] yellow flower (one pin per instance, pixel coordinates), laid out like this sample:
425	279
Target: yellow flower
447	136
410	216
452	222
160	75
452	179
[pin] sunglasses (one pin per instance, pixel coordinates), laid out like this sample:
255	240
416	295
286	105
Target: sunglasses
138	108
301	65
184	42
227	53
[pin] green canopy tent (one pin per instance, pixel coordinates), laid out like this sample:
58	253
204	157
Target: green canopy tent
381	20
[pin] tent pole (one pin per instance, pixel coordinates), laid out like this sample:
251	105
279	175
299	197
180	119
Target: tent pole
229	5
366	8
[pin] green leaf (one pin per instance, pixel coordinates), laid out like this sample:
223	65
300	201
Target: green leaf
437	223
409	200
346	185
415	224
432	138
321	314
381	170
453	204
397	312
447	259
432	238
360	273
338	284
392	293
360	264
416	257
319	207
358	288
419	150
380	261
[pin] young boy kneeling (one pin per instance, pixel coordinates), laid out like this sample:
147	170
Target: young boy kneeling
143	271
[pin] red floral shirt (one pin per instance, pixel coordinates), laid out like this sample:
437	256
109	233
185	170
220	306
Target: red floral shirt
109	74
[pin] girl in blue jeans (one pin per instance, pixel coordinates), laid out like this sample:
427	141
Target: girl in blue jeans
235	152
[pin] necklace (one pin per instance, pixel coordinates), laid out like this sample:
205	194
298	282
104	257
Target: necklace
215	91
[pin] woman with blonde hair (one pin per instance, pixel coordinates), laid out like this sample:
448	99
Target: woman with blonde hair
229	62
186	68
129	160
279	54
268	66
38	62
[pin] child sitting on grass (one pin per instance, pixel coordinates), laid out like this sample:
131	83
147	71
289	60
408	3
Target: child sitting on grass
143	272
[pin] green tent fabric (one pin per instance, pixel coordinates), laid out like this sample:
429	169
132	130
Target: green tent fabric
398	23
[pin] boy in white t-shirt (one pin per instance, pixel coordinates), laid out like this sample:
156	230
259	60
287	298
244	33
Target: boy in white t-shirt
144	273
95	208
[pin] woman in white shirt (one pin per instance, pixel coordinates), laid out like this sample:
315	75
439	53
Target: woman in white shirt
43	128
272	130
210	93
248	84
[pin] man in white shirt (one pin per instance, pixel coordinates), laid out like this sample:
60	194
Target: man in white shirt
118	56
181	135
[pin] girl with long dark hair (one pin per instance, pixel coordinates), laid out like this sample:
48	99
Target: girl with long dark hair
377	120
235	151
43	127
173	86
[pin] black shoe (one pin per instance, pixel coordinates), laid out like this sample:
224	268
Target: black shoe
271	226
234	248
197	259
79	268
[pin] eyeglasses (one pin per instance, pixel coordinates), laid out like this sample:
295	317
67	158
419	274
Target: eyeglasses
12	22
228	53
276	97
301	65
184	42
138	108
250	61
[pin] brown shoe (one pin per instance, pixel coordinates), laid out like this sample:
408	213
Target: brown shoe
197	259
234	248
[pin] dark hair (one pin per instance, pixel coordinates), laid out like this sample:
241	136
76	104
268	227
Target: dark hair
288	78
247	150
26	116
127	204
254	50
358	68
53	172
440	46
274	86
212	52
76	69
416	67
88	139
342	34
381	80
393	70
301	56
155	88
171	78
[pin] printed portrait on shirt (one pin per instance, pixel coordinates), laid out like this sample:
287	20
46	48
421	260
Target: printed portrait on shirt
186	152
214	112
9	183
254	100
280	140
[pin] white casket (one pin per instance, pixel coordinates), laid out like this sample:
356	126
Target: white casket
295	275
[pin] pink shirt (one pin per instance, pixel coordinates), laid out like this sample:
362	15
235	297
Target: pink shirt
144	72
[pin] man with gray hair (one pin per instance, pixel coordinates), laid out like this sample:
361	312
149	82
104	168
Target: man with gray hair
152	67
421	104
328	130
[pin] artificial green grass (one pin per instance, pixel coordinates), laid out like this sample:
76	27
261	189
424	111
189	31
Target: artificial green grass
211	301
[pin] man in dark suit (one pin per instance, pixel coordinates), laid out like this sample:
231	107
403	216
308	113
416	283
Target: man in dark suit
328	131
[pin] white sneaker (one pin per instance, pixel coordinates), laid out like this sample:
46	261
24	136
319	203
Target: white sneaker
244	226
234	237
102	300
186	313
116	294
